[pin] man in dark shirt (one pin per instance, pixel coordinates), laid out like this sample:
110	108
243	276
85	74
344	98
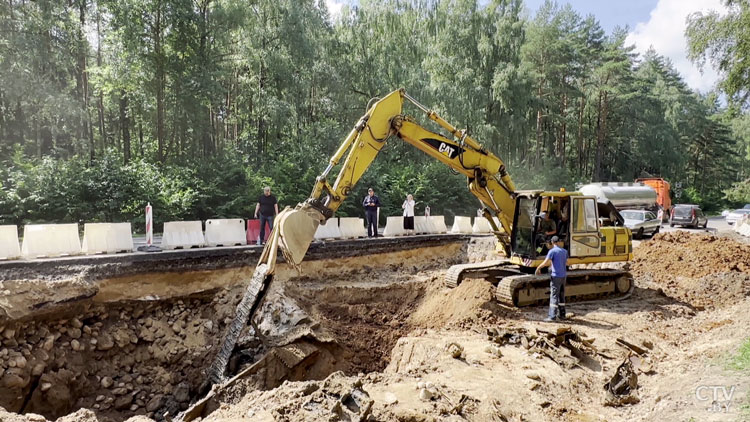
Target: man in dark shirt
371	204
268	207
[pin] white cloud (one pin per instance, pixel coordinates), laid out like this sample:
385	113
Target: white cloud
665	32
334	7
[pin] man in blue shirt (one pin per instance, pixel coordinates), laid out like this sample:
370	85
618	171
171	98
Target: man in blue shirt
558	258
371	204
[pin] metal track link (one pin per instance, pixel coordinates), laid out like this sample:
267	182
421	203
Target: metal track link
244	311
455	274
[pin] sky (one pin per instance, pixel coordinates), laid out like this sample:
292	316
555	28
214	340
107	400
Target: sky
652	23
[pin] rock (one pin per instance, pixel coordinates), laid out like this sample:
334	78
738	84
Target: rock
75	322
182	392
455	350
105	343
93	341
390	399
123	402
494	350
534	376
46	386
120	391
9	333
74	332
33	417
107	382
75	345
209	325
49	341
100	397
155	403
12	363
133	407
13	380
87	330
425	394
37	369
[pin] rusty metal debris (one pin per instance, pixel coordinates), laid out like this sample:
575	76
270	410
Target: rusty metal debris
621	388
566	347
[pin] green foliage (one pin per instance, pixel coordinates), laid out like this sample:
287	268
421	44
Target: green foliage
724	40
741	360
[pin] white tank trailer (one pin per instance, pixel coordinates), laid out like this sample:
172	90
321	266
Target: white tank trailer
622	195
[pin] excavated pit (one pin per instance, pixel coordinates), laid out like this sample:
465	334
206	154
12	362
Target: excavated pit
144	350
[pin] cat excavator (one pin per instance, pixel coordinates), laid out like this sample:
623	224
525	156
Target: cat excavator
592	233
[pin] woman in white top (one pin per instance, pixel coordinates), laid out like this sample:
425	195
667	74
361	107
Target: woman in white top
408	207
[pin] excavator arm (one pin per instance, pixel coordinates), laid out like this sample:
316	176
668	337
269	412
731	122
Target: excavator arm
486	176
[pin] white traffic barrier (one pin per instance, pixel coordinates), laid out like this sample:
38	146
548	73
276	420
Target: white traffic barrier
394	226
422	225
107	238
481	225
182	234
329	230
461	225
225	232
438	223
49	240
352	227
9	248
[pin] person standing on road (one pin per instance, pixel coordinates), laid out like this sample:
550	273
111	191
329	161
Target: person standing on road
268	207
558	258
371	204
408	207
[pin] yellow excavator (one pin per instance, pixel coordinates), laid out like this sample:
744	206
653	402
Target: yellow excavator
592	232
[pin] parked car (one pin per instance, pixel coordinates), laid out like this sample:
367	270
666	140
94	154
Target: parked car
746	207
736	215
641	222
688	215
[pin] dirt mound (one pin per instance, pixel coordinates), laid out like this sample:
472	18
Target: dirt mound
472	301
702	269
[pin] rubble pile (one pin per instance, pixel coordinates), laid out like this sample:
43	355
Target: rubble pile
118	360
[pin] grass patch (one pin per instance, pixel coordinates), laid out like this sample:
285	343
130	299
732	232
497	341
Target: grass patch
741	361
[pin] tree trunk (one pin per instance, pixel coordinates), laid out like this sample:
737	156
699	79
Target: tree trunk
160	82
100	97
125	126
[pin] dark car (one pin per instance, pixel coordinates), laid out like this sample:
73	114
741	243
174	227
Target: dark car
688	215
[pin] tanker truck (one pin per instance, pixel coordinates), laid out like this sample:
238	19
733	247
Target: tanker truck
622	195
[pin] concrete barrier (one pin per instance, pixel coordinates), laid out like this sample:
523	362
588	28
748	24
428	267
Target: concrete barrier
461	225
481	225
9	248
225	232
329	230
352	227
438	224
422	225
394	226
182	234
49	240
107	238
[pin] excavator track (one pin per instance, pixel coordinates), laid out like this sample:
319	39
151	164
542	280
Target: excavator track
581	286
516	289
456	273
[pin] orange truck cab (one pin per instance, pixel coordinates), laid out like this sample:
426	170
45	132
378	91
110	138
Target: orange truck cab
661	187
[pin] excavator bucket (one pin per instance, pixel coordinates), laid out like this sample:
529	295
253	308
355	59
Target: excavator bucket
296	230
